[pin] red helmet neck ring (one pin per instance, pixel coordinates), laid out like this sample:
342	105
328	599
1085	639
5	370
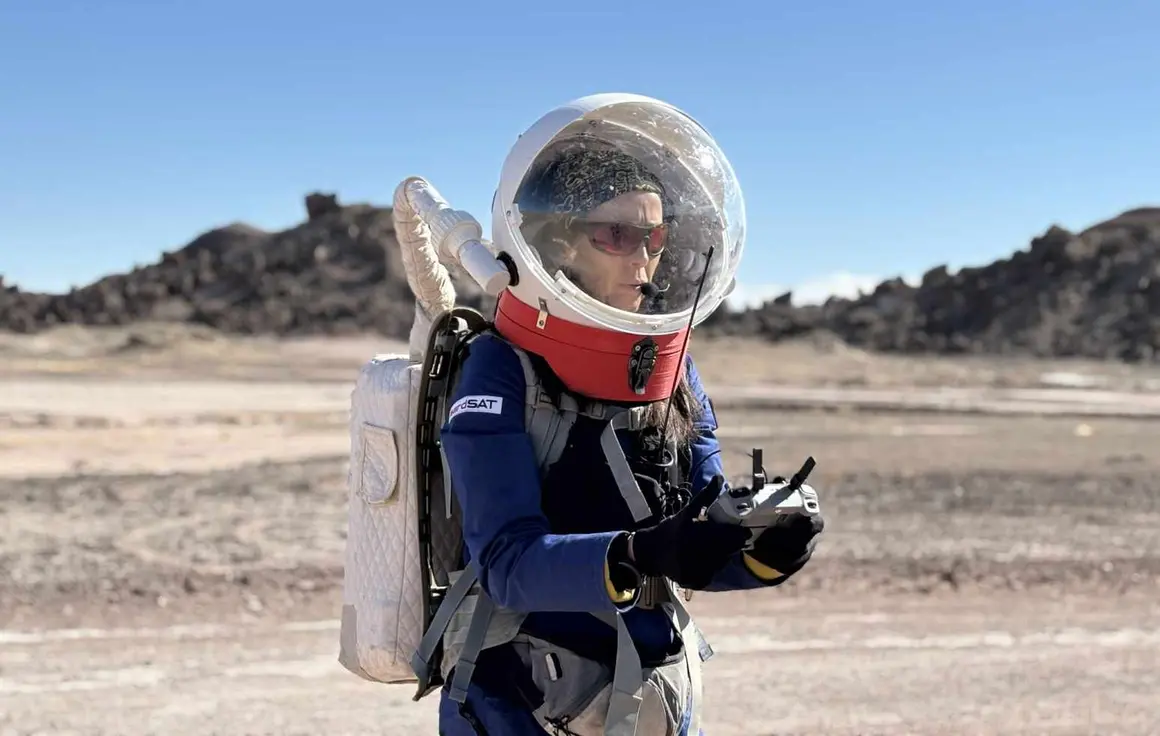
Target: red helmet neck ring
595	363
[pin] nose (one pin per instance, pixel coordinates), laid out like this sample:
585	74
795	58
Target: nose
638	256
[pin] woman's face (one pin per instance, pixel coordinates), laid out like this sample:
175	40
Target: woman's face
616	251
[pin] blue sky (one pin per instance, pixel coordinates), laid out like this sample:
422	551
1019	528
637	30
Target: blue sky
871	139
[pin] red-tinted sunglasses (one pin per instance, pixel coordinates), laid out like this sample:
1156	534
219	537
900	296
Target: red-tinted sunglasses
622	238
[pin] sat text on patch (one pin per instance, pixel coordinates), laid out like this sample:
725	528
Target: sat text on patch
481	404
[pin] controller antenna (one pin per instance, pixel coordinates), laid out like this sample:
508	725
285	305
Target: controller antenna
758	469
800	476
688	333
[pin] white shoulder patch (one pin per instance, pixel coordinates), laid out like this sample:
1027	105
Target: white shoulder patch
479	404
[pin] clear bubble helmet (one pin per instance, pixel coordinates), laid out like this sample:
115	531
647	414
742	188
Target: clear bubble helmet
625	224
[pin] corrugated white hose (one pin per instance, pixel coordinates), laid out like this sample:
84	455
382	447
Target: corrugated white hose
428	278
432	234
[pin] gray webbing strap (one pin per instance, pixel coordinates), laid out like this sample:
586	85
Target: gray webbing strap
628	675
566	418
683	621
472	646
618	464
542	424
448	490
421	659
548	426
627	684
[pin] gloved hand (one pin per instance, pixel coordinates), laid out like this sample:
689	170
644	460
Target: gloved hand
688	551
787	544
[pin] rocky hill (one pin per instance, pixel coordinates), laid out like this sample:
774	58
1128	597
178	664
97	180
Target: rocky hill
339	272
1094	294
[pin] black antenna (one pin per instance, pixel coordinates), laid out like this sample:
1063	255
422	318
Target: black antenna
684	348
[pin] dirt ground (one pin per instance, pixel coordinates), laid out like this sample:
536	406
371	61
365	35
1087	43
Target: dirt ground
172	512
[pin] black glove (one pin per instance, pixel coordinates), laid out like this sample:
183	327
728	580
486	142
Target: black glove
687	551
787	544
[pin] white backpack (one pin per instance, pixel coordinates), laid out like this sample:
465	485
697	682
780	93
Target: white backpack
404	539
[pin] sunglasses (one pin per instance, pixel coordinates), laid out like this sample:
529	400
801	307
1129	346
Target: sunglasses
622	238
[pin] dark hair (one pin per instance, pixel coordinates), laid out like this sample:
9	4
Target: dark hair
682	419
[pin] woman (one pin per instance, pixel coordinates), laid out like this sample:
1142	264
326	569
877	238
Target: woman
565	545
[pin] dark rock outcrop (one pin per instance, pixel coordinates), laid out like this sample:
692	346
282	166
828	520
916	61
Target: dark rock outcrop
1094	294
339	272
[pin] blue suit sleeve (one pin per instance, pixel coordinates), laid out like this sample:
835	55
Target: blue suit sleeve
705	463
522	565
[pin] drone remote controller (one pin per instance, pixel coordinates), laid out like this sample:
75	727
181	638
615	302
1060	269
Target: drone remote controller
759	505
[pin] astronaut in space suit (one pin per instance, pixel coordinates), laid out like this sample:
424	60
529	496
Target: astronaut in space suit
620	219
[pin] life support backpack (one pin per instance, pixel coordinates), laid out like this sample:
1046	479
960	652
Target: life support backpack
410	614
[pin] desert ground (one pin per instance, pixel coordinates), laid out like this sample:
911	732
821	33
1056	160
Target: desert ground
173	503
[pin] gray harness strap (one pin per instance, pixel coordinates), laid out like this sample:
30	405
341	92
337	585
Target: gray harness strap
447	490
421	659
627	684
628	676
618	464
548	425
472	646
